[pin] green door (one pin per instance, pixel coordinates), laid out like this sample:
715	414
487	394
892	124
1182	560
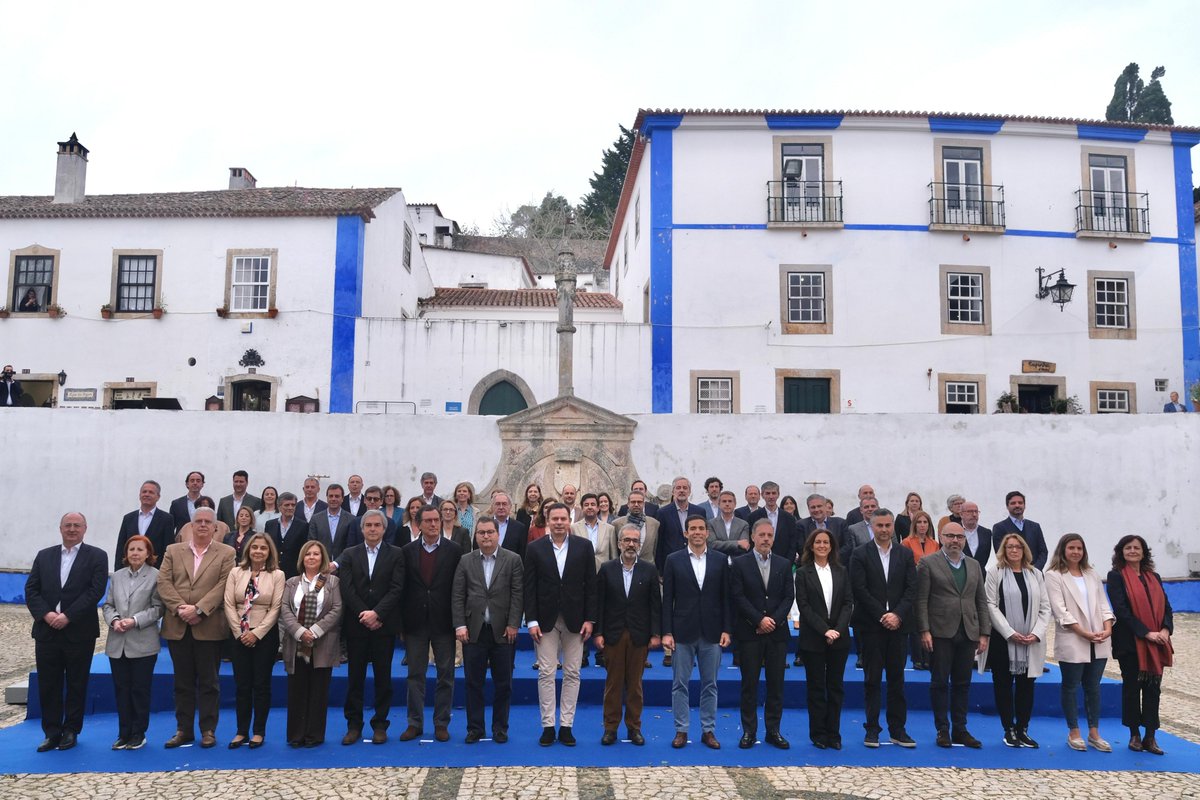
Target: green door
501	400
806	395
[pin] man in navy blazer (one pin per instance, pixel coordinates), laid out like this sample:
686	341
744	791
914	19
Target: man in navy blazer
64	587
672	519
1174	406
883	618
372	497
182	508
696	624
761	593
150	521
513	534
1027	529
787	534
331	527
290	532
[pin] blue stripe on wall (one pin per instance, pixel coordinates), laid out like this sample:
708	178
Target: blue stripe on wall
1189	302
959	125
727	226
803	122
868	227
347	308
660	129
1107	134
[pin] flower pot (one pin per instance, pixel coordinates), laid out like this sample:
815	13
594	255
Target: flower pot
3	315
158	312
53	312
222	312
106	313
272	312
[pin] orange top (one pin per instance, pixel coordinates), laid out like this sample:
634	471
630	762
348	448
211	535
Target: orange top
920	551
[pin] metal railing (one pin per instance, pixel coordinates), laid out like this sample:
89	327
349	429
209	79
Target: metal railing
966	204
1112	212
804	201
385	407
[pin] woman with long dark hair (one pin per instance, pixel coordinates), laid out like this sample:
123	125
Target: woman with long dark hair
824	601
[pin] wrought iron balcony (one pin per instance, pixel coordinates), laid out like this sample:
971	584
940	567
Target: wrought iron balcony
966	205
1112	212
801	201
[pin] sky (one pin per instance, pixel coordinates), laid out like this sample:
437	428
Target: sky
481	107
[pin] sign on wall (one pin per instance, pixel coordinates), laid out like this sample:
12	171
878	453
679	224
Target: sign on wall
79	395
1028	366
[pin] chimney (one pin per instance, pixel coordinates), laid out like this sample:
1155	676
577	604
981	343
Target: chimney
240	178
72	171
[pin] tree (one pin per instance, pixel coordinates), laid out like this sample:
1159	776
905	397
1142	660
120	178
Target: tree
1134	101
600	204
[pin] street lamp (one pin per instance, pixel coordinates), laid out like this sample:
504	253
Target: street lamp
1059	292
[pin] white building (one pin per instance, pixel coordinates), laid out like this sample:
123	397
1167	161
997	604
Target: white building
881	262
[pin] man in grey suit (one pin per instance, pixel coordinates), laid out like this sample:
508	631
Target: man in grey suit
727	533
859	533
952	617
486	604
819	519
230	504
648	525
602	535
331	526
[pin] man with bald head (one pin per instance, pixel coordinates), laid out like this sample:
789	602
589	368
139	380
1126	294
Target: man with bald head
64	587
979	537
856	514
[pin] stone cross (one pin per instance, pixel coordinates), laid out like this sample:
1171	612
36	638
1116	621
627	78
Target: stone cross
564	279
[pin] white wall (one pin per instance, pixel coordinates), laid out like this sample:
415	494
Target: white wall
458	267
1099	476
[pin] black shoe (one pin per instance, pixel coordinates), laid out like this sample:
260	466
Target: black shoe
136	742
965	738
67	740
635	737
871	740
818	742
237	742
565	736
798	662
747	741
121	743
1010	738
858	664
600	662
1023	738
254	744
943	739
48	744
295	743
500	737
547	738
667	660
473	737
737	660
903	740
313	742
777	741
609	737
835	743
584	662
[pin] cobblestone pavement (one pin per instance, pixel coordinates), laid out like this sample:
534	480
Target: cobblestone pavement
1181	716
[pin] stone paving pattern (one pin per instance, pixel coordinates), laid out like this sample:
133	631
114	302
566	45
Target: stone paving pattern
1181	716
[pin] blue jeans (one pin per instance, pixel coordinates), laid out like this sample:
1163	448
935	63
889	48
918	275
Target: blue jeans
709	656
1089	674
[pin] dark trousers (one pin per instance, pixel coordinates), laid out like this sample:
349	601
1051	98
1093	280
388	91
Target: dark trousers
196	683
758	653
63	668
131	679
950	680
478	655
824	674
417	646
252	677
625	662
883	652
1013	693
1139	701
376	649
308	702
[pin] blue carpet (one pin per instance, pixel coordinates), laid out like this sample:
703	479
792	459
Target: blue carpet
92	754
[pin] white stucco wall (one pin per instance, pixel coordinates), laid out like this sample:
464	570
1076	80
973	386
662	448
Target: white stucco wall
1099	476
462	267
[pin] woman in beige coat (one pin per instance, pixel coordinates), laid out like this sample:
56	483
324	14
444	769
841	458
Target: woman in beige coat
311	617
1082	635
1020	612
253	595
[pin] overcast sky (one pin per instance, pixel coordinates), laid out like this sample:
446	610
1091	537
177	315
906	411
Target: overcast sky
481	107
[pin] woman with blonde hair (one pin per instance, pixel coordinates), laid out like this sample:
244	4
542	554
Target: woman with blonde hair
311	617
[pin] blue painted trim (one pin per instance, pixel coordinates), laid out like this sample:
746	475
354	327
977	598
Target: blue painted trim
661	270
850	227
1166	240
732	226
1043	234
803	122
1189	301
1107	134
655	122
958	125
347	308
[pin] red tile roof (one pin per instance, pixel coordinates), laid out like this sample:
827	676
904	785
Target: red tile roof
283	201
454	297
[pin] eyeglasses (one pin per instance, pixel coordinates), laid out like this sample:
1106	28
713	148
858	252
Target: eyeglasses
954	536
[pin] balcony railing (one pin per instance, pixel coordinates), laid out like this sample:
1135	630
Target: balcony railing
1112	212
966	205
803	201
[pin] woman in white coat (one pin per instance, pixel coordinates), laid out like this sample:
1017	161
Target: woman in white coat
1020	613
1082	635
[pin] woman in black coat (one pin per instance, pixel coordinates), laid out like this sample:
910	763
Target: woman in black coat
824	600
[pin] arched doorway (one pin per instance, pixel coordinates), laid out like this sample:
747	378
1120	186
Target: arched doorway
501	400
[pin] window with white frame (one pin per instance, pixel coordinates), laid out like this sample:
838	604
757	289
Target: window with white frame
137	277
408	248
1112	401
250	283
962	397
964	298
33	282
714	395
806	297
626	250
1112	303
637	218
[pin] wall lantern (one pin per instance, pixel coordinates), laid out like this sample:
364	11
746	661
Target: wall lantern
1059	292
62	377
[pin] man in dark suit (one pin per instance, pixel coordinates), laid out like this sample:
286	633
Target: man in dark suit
628	620
354	498
63	589
560	612
650	509
513	534
311	505
290	532
787	535
429	482
884	581
753	496
182	508
953	618
331	527
230	504
979	538
486	606
856	514
696	623
818	519
1027	529
712	502
672	521
1174	406
372	497
761	593
429	565
372	581
149	521
10	388
858	534
728	533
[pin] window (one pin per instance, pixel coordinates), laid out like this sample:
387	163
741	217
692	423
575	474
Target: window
1108	202
33	281
136	281
808	391
962	193
961	393
715	392
637	218
805	299
801	193
408	248
962	168
626	251
251	283
1108	186
1111	397
1111	310
966	301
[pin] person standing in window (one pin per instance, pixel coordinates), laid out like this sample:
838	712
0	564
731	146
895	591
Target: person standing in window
10	388
29	303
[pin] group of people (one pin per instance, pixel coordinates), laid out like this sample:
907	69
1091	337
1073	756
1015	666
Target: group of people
316	581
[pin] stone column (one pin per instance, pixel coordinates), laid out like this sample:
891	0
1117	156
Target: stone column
564	279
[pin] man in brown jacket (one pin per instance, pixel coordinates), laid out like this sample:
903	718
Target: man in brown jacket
191	582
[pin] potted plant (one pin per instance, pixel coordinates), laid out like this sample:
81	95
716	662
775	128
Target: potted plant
1066	405
272	312
55	311
1007	404
106	311
3	312
1194	393
222	312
